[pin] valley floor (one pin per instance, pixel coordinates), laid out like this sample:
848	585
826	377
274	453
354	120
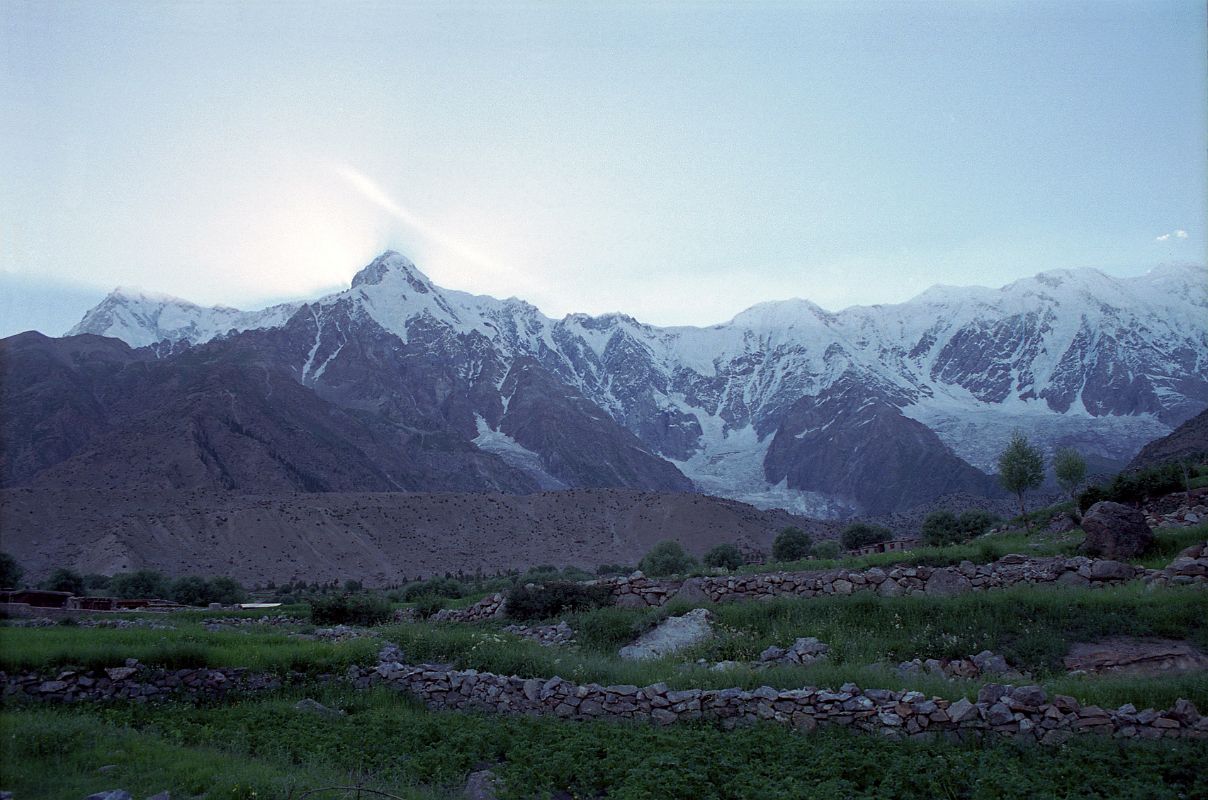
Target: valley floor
262	746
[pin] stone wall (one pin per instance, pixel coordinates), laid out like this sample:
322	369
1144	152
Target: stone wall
1012	710
137	683
639	591
1011	570
1020	711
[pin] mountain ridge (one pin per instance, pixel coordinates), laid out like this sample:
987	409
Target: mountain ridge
1072	356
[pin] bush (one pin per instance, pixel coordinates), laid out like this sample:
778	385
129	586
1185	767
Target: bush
194	591
942	528
1090	496
65	580
441	587
827	549
613	569
861	534
724	556
429	604
666	558
552	599
343	609
143	584
792	544
10	571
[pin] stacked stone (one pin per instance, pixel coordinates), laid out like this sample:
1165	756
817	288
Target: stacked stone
264	619
45	622
803	652
1189	567
981	665
135	682
490	607
1020	711
545	635
1182	517
639	591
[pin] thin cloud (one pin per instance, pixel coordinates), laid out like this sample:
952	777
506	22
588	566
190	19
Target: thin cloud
1178	234
376	195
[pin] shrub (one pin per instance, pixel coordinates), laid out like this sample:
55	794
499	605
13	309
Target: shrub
827	549
441	587
554	598
1092	495
190	591
429	604
145	583
861	534
725	556
65	580
666	558
792	544
227	591
10	571
613	569
343	609
942	528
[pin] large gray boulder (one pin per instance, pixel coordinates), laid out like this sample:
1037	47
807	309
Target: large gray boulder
672	635
1114	530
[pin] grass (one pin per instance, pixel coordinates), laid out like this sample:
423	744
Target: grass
991	547
1031	626
266	650
266	749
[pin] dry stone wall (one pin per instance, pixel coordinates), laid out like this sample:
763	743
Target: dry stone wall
637	590
137	683
1012	710
640	591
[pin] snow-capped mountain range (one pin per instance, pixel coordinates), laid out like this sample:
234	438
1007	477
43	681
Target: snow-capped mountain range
787	405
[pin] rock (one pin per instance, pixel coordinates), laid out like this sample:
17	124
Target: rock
315	707
107	768
110	794
120	673
989	663
1111	571
1114	530
773	653
1029	695
991	693
962	710
629	600
672	635
1127	656
164	795
947	583
481	785
691	591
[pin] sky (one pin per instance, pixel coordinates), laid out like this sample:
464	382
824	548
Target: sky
675	161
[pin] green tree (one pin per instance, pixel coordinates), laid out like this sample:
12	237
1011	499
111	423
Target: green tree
143	584
1020	468
792	544
828	549
190	590
861	534
1069	467
227	591
65	580
666	558
725	556
10	571
942	528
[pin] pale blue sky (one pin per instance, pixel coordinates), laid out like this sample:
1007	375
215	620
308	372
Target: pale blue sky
677	161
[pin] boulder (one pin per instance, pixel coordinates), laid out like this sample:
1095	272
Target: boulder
672	635
315	707
692	591
110	794
947	583
481	785
1114	530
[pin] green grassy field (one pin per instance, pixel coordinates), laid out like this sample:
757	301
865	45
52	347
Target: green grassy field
261	747
265	749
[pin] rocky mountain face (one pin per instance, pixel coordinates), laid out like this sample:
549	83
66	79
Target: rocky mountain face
383	538
1188	441
870	410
